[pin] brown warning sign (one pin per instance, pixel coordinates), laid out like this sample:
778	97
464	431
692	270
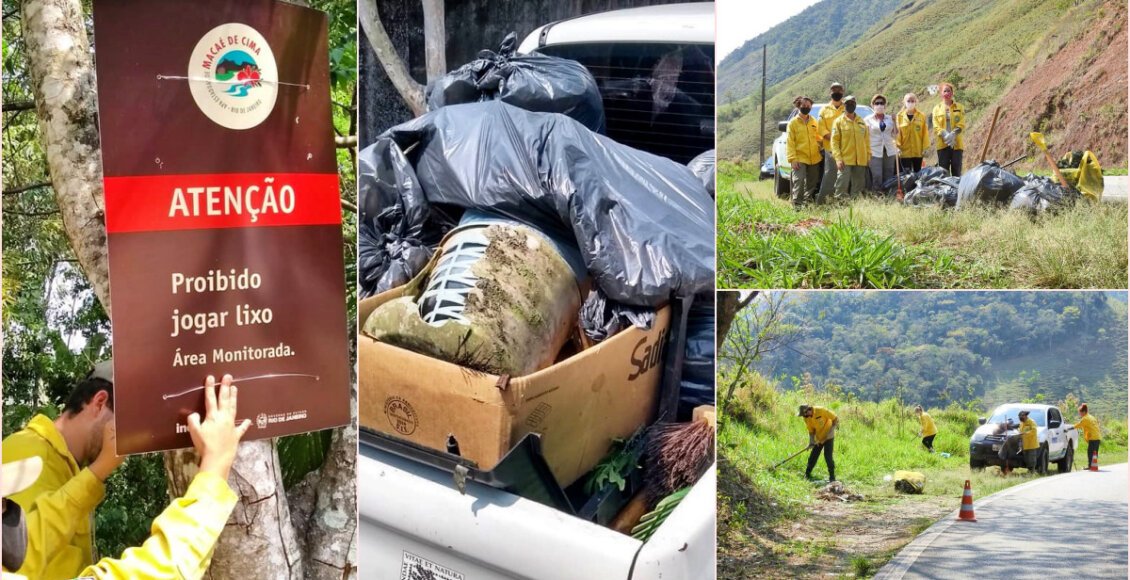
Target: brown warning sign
223	215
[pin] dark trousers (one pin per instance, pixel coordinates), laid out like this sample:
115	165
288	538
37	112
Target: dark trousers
909	164
1092	450
1031	456
815	455
950	160
928	441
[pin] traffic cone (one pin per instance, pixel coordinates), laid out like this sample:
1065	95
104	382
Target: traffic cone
1095	462
966	513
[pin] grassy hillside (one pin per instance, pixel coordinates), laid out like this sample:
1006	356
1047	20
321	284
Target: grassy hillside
1058	66
811	36
772	524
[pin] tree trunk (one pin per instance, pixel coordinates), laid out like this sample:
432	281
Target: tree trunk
260	540
409	89
728	304
435	39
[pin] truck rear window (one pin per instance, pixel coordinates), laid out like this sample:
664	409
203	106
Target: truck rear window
657	97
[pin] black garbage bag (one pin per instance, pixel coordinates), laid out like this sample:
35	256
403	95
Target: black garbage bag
533	82
644	224
703	167
1042	194
937	192
890	186
988	183
697	385
931	172
602	319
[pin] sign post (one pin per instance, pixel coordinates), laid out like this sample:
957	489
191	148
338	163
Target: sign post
223	215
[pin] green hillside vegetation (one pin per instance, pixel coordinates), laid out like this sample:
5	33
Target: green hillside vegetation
814	34
877	244
772	525
976	348
985	48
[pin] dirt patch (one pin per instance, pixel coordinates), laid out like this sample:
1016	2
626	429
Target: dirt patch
837	491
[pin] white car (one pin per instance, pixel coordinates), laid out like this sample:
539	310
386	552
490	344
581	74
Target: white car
782	171
419	519
1057	438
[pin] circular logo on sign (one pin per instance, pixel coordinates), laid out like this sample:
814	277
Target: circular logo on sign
233	76
401	415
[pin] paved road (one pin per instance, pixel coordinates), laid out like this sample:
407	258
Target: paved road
1115	187
1066	526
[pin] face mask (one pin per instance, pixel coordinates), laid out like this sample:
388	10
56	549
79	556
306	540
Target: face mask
911	105
805	110
880	109
837	96
850	107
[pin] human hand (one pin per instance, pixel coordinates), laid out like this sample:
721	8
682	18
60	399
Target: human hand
796	166
107	460
217	437
840	165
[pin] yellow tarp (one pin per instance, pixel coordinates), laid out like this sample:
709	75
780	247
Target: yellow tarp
910	482
1087	178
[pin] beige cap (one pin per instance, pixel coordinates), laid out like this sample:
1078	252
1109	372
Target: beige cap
17	476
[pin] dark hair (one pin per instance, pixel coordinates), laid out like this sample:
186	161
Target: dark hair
1083	408
797	101
85	391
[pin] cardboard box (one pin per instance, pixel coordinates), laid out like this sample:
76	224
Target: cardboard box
578	405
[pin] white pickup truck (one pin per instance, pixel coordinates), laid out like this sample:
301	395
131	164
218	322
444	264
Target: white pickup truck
1057	438
422	520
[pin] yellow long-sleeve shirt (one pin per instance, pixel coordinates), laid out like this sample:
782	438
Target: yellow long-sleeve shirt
956	115
928	427
803	143
851	141
61	503
913	138
828	115
820	423
1090	428
1028	436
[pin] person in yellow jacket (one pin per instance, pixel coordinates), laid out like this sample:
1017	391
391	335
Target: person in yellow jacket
851	148
928	430
913	137
77	451
804	147
828	115
1090	428
183	537
1029	441
821	424
949	128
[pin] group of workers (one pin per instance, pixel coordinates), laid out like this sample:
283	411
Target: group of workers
849	150
54	476
821	424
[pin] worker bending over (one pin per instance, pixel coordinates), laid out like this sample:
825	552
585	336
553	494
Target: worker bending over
821	425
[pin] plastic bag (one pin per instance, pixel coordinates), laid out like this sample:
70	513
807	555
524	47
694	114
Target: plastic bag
602	319
1081	169
697	385
988	183
533	82
1042	194
703	167
931	172
891	185
644	224
911	482
937	192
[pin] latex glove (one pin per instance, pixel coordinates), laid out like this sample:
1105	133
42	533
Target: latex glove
949	137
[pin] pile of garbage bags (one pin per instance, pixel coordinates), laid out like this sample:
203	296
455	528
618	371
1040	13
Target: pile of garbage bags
1082	171
990	184
933	187
1042	194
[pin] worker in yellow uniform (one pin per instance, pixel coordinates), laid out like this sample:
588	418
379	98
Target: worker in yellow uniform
183	537
821	424
1029	441
1090	428
928	430
804	146
77	454
851	148
828	115
913	137
949	127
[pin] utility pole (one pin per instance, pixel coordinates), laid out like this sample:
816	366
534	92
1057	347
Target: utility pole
763	61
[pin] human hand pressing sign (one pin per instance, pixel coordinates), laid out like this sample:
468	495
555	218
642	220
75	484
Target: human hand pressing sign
107	460
217	437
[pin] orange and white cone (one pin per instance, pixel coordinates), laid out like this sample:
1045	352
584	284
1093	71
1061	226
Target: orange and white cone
1095	462
966	513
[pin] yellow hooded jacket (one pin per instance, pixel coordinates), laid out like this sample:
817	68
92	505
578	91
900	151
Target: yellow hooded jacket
181	540
851	141
928	427
1090	427
803	141
957	121
1028	435
61	501
820	423
913	138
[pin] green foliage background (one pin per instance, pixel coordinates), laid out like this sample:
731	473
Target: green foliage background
49	308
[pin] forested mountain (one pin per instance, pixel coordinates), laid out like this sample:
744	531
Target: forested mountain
936	348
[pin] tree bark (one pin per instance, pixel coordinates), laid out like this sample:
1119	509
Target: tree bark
260	541
409	89
729	303
435	39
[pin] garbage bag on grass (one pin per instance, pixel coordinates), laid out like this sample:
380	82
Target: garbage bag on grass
1081	169
1042	194
988	183
910	482
533	82
644	224
937	192
931	172
891	185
